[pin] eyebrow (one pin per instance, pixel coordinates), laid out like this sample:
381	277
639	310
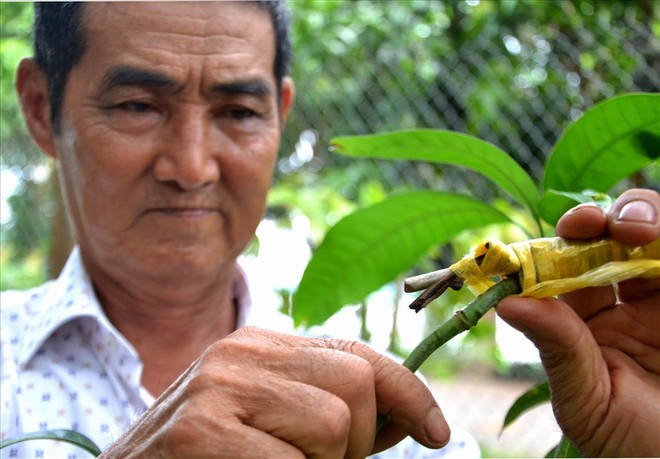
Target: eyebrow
255	87
133	76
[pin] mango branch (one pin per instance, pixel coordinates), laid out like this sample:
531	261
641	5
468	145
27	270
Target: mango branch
536	268
461	321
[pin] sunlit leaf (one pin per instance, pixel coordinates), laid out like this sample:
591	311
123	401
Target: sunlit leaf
371	246
447	147
602	200
533	397
64	435
607	144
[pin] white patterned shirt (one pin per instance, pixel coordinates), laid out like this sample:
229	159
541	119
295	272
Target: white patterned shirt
65	366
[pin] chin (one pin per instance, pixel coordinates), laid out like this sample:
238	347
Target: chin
194	263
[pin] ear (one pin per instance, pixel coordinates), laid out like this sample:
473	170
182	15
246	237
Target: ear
32	88
286	98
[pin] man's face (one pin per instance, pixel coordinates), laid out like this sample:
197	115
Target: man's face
170	129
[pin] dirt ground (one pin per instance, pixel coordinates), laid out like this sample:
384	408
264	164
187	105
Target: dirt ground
479	403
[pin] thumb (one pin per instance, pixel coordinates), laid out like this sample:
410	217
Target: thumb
570	355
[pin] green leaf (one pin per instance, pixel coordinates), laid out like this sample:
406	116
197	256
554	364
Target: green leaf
564	448
608	143
371	246
65	435
533	397
447	147
555	203
602	200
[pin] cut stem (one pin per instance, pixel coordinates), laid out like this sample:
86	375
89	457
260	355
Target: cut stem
447	280
424	281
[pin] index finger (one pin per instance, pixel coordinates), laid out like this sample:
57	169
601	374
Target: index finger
633	219
401	395
585	221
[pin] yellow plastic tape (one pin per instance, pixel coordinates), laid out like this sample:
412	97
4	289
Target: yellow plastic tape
552	266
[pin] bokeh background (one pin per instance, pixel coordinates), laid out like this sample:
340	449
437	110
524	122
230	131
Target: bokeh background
514	73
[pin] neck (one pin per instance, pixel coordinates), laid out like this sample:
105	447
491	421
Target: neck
171	327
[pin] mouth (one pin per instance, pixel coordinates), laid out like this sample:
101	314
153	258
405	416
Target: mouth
188	213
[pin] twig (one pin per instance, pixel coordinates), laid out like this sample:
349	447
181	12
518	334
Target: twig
426	280
461	321
423	281
443	282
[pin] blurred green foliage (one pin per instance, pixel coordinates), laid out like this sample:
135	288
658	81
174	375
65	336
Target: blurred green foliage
502	71
376	244
26	230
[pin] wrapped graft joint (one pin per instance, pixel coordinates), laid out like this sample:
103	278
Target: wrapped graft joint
552	266
545	267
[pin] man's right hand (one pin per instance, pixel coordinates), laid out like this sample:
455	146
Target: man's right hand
257	393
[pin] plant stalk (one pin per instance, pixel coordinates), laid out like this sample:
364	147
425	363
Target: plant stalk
461	321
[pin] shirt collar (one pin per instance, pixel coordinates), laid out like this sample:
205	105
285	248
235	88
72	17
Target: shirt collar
71	297
68	297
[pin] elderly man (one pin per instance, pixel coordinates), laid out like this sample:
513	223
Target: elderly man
164	120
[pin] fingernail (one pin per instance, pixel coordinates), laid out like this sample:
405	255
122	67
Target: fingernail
637	212
436	427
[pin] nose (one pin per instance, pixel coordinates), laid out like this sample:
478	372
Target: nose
186	153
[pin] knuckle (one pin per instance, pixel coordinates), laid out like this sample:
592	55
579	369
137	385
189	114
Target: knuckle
360	376
350	370
357	348
231	349
395	374
335	421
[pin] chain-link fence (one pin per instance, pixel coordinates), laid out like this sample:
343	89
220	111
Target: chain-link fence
514	79
510	75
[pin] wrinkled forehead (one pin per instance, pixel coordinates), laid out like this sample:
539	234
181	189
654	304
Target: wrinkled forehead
180	35
188	23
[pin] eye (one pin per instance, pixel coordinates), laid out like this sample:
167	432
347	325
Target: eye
134	114
242	113
135	106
